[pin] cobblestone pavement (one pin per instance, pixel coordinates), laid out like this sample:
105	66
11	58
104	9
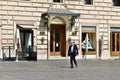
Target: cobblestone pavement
59	70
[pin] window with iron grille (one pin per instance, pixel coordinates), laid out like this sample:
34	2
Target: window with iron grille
116	2
59	1
89	2
24	0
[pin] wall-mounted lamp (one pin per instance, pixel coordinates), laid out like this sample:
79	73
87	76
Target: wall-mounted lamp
44	20
45	23
45	16
69	39
72	21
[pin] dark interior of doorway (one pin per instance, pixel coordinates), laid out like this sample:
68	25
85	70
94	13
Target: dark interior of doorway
29	51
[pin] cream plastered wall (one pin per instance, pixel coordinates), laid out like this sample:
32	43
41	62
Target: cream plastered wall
102	14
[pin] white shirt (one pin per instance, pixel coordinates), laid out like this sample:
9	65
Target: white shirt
72	48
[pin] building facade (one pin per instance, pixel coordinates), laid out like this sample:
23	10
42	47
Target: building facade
45	28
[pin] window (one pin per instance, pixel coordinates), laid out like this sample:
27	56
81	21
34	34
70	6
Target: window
71	0
91	41
88	40
25	0
89	2
115	41
59	1
116	2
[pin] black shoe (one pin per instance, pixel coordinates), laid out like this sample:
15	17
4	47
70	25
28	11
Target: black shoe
76	65
71	67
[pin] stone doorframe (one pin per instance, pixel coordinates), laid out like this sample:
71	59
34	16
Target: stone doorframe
57	20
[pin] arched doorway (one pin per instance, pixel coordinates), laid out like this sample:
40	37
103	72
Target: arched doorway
58	37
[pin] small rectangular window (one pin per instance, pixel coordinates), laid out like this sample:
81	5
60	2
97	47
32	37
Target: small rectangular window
89	2
59	1
25	0
116	2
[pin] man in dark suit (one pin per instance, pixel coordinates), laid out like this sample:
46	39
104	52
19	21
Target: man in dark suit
72	52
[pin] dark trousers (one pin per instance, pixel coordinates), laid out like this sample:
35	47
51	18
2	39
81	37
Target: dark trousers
72	59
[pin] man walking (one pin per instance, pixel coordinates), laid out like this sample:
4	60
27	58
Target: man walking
72	52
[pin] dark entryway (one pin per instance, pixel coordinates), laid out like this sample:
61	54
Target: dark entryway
28	50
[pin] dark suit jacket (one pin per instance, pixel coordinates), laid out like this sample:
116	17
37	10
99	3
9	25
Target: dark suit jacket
75	50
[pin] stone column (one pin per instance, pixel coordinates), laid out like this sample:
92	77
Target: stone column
48	44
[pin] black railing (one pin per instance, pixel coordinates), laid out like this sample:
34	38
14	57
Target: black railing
28	53
8	53
25	53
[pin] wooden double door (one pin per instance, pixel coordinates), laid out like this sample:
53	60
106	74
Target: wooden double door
57	40
115	43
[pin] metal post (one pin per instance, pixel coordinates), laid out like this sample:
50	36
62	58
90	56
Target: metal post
9	53
47	40
47	45
3	52
29	53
